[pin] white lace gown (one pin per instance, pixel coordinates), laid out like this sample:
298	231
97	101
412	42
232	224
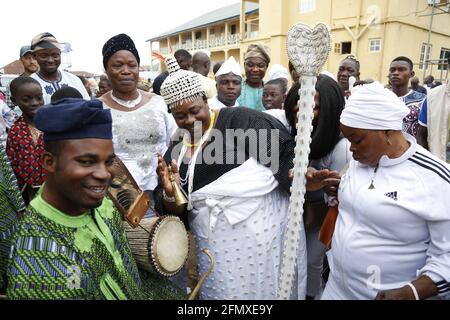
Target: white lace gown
139	135
241	219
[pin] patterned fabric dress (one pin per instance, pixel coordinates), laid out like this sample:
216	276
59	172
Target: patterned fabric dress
25	155
10	204
415	101
56	256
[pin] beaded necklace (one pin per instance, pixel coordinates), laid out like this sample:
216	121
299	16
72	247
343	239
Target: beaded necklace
202	140
129	104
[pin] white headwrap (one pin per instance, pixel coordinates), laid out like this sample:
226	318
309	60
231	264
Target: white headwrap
373	107
278	72
180	85
229	66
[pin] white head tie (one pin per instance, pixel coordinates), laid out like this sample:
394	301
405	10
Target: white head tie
180	85
373	107
278	72
230	66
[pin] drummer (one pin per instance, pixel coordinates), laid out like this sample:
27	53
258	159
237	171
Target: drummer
71	244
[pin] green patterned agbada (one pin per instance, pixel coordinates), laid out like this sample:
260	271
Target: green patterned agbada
56	256
11	203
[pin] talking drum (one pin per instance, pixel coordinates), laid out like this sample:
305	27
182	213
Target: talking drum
160	245
126	195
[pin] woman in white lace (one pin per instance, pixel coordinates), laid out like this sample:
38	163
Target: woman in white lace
142	126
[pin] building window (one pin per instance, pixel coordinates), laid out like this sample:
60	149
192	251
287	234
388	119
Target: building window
337	48
443	58
424	60
346	47
234	29
198	35
307	6
375	45
343	48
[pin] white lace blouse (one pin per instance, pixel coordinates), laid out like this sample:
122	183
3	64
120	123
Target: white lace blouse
139	135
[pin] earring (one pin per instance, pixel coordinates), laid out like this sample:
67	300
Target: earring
387	138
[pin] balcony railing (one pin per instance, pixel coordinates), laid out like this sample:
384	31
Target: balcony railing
214	42
251	35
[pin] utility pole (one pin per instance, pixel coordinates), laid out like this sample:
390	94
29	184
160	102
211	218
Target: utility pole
427	48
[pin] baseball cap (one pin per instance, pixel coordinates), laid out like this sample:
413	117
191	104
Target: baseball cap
24	50
44	40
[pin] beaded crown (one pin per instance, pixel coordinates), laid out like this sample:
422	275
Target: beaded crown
180	85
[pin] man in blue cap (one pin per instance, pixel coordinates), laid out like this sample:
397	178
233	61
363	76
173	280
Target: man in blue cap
30	64
71	244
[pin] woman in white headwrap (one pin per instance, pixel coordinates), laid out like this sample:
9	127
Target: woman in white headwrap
392	235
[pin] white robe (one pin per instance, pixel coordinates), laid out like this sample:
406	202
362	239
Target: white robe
241	219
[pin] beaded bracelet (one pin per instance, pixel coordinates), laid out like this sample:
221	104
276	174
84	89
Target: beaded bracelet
167	198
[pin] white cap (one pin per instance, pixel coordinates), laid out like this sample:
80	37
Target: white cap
229	66
278	72
329	74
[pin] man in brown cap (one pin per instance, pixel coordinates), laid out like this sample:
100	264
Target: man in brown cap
47	52
256	62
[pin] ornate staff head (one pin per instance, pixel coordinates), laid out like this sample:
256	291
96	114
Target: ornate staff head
308	49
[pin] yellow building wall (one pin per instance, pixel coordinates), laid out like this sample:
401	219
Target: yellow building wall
402	26
217	56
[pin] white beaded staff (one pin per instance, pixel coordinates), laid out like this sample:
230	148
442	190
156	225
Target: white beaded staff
308	50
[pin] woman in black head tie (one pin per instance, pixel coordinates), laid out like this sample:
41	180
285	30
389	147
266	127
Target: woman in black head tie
142	126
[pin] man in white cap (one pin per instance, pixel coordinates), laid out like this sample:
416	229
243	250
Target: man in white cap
47	52
392	231
229	80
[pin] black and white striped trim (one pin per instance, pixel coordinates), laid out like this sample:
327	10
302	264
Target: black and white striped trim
443	287
429	163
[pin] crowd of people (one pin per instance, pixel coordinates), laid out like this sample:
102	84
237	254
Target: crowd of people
228	142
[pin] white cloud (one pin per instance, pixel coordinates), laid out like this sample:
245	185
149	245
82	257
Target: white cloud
87	24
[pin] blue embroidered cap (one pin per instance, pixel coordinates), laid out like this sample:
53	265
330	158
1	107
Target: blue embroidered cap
71	118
